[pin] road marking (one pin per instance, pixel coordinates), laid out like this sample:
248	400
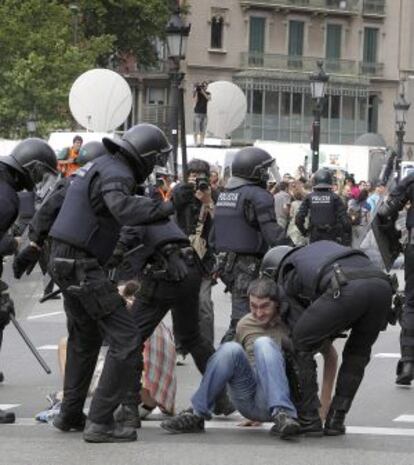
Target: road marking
405	419
48	347
387	355
226	424
8	406
44	315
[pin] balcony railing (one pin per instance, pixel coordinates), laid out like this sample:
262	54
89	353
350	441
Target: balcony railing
297	63
373	7
371	69
334	6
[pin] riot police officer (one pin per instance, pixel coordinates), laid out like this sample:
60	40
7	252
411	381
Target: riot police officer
245	227
98	201
330	288
388	213
22	169
328	219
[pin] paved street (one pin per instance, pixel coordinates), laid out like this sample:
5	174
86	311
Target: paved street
381	423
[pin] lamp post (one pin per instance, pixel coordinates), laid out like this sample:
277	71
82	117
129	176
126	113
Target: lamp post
177	33
318	83
31	125
401	107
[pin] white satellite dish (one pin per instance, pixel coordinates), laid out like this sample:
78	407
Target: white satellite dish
100	100
226	110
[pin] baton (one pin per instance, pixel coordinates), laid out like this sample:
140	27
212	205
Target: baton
50	295
30	345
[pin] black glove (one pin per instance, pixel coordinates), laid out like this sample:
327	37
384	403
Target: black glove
25	261
176	267
6	309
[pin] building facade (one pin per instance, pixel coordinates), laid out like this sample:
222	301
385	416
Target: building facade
270	47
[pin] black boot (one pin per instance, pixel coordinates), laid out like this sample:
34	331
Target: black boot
128	415
405	373
114	432
66	423
7	417
334	424
310	424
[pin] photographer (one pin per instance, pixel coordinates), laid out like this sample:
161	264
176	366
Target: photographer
194	213
201	98
162	188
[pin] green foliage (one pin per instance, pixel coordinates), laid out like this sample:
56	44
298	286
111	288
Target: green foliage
46	45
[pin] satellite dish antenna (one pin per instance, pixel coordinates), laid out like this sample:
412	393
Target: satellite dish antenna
226	110
100	100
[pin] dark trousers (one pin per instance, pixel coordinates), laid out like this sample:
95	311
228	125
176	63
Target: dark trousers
157	297
85	339
362	307
407	318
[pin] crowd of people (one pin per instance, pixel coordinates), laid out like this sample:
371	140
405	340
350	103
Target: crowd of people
127	242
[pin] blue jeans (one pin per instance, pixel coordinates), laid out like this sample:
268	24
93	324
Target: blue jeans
258	392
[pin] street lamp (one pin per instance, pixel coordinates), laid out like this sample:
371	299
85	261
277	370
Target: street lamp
318	82
177	33
401	107
31	125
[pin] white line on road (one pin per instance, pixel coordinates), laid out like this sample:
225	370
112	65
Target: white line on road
8	406
233	425
387	355
43	315
48	347
405	419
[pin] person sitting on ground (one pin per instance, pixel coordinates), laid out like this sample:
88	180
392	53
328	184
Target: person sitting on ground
253	368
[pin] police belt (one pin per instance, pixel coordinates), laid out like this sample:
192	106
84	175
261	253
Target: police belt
341	278
157	268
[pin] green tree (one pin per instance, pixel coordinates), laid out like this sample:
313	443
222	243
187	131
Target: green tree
134	25
40	61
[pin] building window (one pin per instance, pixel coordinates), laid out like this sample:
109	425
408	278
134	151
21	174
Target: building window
155	96
256	40
370	51
217	23
333	41
295	47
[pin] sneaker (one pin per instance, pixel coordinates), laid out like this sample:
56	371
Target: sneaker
284	425
334	424
180	360
47	416
144	411
185	422
53	399
115	432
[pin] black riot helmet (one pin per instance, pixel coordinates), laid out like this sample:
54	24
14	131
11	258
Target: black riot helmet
252	163
144	146
32	158
90	151
272	260
322	179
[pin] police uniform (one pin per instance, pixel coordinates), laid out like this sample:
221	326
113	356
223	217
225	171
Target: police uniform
245	227
396	201
98	201
328	219
332	288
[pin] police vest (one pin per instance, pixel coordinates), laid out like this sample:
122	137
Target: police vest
166	232
77	223
312	262
322	210
232	231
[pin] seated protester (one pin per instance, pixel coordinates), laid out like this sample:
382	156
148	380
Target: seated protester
253	367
